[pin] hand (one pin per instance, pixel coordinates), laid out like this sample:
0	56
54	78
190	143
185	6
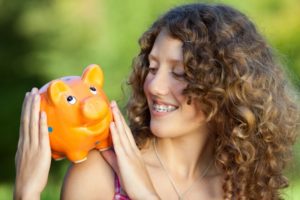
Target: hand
33	157
127	160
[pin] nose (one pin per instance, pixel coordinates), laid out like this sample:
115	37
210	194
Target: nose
94	108
158	84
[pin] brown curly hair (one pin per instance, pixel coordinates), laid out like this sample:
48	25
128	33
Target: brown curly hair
232	71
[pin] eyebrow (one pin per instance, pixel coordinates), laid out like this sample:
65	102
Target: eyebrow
171	60
152	57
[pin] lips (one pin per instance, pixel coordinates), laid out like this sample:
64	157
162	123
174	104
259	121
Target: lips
160	106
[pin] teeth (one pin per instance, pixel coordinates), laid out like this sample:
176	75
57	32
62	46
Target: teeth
163	108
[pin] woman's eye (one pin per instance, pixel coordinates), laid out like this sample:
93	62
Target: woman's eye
71	99
178	75
152	70
93	90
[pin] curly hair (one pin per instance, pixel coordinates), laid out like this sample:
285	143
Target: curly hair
233	73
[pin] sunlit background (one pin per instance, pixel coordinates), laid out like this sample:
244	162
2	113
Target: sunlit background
41	40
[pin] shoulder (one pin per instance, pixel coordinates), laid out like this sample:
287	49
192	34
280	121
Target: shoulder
91	179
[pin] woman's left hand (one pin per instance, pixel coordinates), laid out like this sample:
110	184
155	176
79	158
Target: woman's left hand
127	160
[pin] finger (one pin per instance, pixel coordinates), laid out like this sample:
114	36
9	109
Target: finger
126	130
116	139
34	120
22	127
121	132
44	135
25	119
111	158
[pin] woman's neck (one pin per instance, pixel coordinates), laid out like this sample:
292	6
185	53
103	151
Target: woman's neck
186	156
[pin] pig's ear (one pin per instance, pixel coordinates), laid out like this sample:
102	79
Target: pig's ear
56	89
93	75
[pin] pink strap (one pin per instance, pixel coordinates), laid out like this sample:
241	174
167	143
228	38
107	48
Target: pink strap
119	193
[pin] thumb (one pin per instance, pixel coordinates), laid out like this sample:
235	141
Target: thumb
111	158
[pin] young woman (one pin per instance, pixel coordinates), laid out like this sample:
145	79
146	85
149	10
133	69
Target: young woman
215	119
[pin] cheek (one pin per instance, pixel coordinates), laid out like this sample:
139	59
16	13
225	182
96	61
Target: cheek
146	85
177	90
195	113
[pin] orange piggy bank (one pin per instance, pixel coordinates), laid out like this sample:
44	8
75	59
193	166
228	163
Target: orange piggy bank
78	114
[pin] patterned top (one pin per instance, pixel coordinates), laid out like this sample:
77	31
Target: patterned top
119	193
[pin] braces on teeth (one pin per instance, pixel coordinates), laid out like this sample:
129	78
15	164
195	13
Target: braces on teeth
161	108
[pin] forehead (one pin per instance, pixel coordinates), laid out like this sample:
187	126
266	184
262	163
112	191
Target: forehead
166	45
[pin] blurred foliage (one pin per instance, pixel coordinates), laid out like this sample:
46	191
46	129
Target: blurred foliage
42	40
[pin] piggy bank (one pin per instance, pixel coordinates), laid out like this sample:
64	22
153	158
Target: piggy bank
78	114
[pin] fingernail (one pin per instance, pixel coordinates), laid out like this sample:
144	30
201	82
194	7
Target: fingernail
34	90
36	97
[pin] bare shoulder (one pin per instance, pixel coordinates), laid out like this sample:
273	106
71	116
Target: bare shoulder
91	179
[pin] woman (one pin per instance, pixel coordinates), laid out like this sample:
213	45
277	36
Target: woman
214	119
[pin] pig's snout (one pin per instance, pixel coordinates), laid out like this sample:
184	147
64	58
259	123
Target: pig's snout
94	108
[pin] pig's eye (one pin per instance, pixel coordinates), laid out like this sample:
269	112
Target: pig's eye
71	100
93	90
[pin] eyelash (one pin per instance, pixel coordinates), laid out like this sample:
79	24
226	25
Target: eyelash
153	71
178	76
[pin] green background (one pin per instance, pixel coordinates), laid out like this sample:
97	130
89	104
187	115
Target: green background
41	40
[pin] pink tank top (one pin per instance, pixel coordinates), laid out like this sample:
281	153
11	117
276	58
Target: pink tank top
119	193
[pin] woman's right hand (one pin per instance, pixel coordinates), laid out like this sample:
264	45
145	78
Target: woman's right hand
127	160
33	157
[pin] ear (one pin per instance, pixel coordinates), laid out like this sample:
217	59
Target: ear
93	74
56	89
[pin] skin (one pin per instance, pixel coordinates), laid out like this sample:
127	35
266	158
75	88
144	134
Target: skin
183	140
33	156
164	85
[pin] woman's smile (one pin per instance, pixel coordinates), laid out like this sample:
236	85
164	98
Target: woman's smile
170	114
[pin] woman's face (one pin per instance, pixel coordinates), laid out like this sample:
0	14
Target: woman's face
171	116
